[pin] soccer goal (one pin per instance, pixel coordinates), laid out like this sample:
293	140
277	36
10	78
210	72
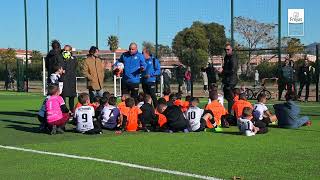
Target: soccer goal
108	58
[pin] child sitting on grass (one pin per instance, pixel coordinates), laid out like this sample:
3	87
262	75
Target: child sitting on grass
56	111
122	104
130	116
110	114
84	117
245	124
198	118
175	120
239	105
166	94
149	119
236	93
261	111
218	110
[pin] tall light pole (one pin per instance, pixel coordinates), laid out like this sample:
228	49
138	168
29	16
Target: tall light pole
26	45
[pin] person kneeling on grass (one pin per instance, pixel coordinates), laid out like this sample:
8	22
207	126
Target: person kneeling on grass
198	118
110	114
42	117
175	120
288	113
84	115
261	112
245	124
56	111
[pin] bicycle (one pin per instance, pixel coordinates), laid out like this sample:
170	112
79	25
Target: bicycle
253	93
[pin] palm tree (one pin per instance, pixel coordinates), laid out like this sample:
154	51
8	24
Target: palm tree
113	43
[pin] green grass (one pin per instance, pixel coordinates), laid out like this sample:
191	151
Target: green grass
280	154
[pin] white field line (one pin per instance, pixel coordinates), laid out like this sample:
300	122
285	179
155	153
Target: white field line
111	162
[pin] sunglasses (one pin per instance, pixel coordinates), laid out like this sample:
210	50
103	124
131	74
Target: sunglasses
227	49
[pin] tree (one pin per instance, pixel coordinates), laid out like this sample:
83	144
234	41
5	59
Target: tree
113	43
294	46
254	34
163	50
150	46
36	57
7	56
191	47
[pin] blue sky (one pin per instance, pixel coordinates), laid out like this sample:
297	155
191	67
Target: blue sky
73	21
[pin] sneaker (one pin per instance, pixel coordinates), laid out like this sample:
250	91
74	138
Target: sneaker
308	123
146	130
170	131
186	130
118	132
218	129
53	130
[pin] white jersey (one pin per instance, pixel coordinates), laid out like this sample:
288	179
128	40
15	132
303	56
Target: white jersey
246	127
55	79
140	104
84	117
260	108
193	115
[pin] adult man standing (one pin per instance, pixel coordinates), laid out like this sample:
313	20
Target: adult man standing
69	78
180	71
305	76
211	74
229	75
53	58
93	69
285	78
150	74
134	64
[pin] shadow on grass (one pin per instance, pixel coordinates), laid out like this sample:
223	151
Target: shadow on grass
229	133
17	122
12	113
32	110
24	128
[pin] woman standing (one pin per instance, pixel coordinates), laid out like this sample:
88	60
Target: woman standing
187	78
69	78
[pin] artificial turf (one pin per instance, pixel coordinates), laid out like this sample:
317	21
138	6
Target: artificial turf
279	154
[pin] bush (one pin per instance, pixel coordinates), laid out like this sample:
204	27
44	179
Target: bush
267	70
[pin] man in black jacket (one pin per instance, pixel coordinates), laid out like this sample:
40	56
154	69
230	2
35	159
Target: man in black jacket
229	75
211	74
54	58
305	76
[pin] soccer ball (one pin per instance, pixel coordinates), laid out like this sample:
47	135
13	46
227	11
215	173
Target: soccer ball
118	68
66	54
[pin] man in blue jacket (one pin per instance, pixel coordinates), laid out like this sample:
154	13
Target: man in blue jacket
150	74
134	64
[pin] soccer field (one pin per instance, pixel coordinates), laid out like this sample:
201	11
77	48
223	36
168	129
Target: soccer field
279	154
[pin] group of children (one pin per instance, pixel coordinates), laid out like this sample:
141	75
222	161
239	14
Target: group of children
170	114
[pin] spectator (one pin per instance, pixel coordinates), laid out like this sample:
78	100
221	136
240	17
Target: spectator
285	78
205	79
69	77
305	77
256	78
212	74
93	69
53	58
167	75
187	78
180	76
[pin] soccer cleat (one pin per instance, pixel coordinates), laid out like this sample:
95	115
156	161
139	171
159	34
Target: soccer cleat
218	129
